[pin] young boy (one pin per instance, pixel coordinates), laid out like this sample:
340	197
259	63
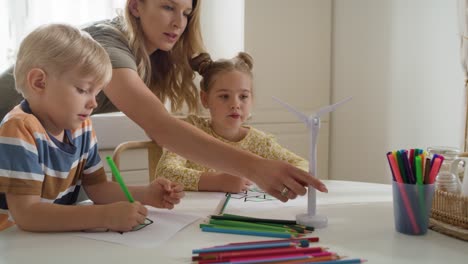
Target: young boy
48	147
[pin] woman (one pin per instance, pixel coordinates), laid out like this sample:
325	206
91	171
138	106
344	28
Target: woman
150	47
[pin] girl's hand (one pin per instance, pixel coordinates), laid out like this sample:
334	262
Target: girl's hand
222	182
123	216
274	176
162	193
232	184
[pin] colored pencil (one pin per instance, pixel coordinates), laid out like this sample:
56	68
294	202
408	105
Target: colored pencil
310	239
244	247
251	229
309	260
271	256
223	204
276	258
248	225
253	219
342	261
246	232
264	260
260	252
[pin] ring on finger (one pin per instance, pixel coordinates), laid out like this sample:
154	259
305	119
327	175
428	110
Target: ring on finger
285	191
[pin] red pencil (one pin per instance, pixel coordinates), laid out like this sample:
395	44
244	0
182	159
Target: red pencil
280	257
259	252
309	260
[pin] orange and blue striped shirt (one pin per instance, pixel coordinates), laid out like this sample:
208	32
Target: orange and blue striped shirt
32	162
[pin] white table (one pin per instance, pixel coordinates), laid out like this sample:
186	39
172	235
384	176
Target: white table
360	225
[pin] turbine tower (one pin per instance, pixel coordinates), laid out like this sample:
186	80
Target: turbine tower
313	123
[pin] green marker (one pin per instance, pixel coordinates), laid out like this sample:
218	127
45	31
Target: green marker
419	177
119	179
226	200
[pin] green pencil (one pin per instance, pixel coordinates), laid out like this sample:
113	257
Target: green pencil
119	179
294	234
250	225
252	219
225	202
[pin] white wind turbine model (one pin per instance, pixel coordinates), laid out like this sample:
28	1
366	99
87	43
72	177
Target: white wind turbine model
313	123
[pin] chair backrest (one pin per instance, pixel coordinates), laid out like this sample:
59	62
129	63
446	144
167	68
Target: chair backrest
154	154
153	149
4	222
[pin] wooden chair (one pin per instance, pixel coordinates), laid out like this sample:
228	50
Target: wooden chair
4	222
153	149
154	154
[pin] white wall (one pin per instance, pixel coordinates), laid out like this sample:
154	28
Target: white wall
222	22
290	42
400	61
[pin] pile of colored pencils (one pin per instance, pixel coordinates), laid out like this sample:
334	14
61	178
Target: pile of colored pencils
273	251
242	225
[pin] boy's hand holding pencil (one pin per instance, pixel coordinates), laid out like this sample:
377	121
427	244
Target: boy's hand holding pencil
124	216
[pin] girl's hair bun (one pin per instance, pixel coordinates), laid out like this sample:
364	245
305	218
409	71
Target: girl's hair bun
201	63
246	58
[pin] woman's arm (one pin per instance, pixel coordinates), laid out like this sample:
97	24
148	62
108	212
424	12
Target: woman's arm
173	167
278	152
129	94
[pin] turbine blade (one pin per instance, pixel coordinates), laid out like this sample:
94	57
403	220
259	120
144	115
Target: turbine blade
298	114
332	107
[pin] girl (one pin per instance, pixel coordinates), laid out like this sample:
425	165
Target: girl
226	91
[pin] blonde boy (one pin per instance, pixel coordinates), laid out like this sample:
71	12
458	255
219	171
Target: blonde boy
48	148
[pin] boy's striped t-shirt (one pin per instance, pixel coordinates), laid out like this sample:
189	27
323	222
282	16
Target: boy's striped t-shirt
32	162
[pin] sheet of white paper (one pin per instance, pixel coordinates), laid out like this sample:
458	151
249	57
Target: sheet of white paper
166	224
256	202
254	199
199	203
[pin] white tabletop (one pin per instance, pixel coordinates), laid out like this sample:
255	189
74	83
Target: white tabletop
360	225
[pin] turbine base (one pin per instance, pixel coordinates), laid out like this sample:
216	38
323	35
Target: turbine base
315	221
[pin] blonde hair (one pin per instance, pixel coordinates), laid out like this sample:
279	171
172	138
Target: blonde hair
168	73
58	48
210	69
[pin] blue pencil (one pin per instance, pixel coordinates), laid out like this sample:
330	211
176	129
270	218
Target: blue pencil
243	247
246	232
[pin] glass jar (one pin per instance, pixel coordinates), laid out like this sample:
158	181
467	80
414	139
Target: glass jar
447	182
448	178
450	154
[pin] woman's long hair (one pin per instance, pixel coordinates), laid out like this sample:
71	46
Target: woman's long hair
168	73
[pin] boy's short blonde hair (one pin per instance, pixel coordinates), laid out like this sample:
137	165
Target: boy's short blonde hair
59	48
